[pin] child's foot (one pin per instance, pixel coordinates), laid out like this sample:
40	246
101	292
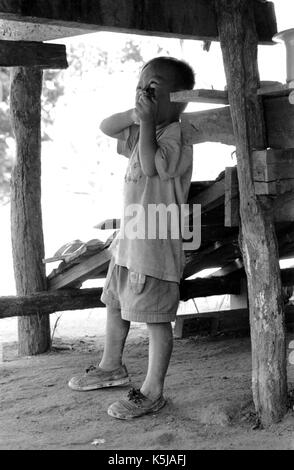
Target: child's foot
137	405
96	378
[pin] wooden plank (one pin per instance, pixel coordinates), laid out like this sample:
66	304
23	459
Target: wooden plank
19	31
286	242
283	207
273	171
26	212
191	19
211	197
279	122
212	256
211	233
197	186
276	89
45	303
213	125
222	321
108	224
200	96
211	323
235	266
28	54
78	273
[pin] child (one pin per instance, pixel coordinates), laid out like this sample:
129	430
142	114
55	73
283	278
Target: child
142	283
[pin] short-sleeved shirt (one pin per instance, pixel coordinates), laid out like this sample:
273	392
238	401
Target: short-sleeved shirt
142	246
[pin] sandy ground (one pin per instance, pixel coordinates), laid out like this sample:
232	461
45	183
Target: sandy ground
208	390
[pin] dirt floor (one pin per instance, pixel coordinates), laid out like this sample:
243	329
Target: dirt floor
208	390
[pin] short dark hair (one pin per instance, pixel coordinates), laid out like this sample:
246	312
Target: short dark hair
185	77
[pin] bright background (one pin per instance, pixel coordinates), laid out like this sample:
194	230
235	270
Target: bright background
81	173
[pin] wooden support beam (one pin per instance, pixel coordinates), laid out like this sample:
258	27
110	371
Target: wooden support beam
44	303
191	19
26	214
239	40
207	286
29	54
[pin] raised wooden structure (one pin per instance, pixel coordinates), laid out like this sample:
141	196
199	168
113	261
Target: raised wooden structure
191	19
246	213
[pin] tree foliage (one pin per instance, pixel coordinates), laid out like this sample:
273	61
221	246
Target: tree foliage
81	57
52	90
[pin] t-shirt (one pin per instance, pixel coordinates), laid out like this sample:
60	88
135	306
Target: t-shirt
143	244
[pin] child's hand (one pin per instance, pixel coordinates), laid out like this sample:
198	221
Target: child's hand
146	108
135	117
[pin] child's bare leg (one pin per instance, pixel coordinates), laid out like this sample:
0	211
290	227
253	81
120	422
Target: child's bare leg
160	349
116	334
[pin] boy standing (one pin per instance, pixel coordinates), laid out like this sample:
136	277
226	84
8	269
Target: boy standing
142	283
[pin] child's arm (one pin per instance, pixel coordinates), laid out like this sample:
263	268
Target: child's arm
113	125
146	111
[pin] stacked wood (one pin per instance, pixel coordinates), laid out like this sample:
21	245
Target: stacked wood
273	175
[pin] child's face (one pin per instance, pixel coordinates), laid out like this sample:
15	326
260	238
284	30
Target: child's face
158	81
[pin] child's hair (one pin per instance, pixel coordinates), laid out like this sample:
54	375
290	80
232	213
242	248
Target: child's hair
185	77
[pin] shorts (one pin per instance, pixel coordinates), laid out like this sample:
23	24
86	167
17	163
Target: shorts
140	298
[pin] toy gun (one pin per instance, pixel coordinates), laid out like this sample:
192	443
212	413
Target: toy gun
149	92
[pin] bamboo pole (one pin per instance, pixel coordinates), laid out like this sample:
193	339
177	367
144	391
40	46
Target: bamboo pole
236	24
26	215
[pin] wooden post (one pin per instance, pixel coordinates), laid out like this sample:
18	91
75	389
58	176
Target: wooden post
26	216
237	31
